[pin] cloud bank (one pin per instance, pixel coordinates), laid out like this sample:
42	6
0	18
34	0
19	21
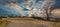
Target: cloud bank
26	7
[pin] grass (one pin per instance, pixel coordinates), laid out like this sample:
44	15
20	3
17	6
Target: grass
57	24
4	22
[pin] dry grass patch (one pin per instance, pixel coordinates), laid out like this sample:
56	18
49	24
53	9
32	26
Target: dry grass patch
57	24
3	23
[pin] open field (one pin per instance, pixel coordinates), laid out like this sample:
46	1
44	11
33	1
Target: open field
29	21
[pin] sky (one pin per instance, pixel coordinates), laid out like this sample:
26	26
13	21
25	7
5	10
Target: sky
26	7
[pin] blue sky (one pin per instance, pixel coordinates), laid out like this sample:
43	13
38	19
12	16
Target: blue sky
9	11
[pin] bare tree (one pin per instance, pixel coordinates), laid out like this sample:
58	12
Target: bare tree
46	6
